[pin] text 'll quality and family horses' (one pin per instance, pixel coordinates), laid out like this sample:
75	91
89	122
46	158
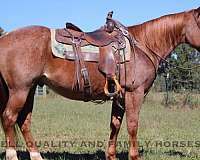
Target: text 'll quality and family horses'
27	60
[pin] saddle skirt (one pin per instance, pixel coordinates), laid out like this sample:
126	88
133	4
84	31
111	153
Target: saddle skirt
89	52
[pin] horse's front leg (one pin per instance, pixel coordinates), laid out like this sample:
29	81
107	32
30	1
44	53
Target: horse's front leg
24	123
116	120
133	101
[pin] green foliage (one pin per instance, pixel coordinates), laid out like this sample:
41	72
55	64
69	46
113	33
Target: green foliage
184	57
181	100
2	32
191	100
170	99
179	76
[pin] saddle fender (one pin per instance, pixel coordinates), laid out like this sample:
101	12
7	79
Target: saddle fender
107	63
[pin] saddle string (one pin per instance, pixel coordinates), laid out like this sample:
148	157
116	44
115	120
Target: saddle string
76	85
80	68
124	30
84	73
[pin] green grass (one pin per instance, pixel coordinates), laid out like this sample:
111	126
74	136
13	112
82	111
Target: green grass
164	134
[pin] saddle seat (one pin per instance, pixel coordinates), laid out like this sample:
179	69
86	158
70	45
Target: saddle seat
101	37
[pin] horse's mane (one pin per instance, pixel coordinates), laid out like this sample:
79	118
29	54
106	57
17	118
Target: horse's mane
163	32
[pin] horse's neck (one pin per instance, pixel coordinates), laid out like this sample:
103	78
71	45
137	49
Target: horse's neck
162	35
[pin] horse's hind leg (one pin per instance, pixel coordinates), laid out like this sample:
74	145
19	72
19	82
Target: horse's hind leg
16	101
116	120
24	123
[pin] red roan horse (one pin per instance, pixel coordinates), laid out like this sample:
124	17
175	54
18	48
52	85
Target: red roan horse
26	60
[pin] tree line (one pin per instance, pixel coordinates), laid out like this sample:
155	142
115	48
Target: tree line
2	32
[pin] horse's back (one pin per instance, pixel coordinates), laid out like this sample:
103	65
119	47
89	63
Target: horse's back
24	32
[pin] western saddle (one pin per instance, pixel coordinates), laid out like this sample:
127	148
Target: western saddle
111	34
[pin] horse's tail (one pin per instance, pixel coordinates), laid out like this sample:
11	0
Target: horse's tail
4	94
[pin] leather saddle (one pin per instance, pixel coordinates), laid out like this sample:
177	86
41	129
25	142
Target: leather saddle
97	38
108	35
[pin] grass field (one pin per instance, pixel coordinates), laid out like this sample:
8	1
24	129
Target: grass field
69	130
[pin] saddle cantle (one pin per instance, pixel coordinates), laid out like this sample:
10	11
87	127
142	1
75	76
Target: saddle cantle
72	27
110	39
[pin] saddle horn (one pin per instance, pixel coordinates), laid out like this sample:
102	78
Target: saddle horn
109	16
110	24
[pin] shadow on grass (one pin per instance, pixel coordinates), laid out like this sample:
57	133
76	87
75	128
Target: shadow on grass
99	155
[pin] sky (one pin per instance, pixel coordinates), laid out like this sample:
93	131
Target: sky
87	14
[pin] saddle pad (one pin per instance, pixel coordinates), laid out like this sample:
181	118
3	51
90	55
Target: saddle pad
65	51
90	53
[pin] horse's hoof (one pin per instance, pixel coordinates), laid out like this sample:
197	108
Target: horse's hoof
110	157
35	156
11	154
11	158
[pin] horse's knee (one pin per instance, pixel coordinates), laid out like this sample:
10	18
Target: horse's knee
25	129
15	104
115	123
132	127
8	118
